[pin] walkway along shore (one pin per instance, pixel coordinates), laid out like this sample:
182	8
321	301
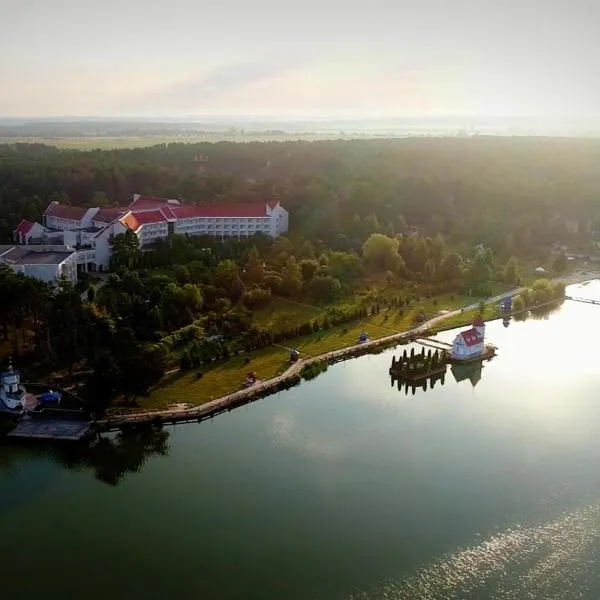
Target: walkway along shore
292	375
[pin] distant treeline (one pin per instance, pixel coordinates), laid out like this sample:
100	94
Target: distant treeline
519	193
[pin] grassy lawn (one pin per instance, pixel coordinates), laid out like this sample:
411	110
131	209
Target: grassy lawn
282	314
218	379
466	318
227	376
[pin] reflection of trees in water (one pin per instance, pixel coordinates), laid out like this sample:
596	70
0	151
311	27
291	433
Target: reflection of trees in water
411	386
11	456
111	457
542	312
470	371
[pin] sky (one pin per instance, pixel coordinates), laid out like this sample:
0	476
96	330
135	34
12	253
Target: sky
315	58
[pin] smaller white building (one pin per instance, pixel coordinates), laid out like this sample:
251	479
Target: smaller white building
46	263
469	344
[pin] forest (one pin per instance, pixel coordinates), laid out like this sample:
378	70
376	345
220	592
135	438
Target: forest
415	218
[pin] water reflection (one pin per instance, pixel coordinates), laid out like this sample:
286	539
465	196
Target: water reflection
467	372
423	385
111	457
471	372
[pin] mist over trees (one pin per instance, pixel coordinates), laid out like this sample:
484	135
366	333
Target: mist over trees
509	192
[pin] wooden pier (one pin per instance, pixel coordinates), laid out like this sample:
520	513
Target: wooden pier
433	343
585	300
51	429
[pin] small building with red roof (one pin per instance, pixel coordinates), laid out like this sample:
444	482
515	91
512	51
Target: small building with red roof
470	343
27	232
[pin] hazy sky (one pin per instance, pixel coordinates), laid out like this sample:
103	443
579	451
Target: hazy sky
315	57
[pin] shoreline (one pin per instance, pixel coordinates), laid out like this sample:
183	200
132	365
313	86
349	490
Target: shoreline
293	374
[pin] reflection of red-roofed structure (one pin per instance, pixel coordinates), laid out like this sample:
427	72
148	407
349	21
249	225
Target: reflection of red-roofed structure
470	343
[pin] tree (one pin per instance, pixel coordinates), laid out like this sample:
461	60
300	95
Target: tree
450	267
227	277
182	274
381	252
291	275
479	271
255	272
371	225
125	252
64	325
325	288
510	271
438	247
308	267
560	263
345	266
143	368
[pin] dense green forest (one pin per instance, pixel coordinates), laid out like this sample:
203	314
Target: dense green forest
479	188
403	216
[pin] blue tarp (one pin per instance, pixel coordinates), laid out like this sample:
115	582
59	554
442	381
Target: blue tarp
50	397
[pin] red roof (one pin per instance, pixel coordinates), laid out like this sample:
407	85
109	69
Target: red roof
471	337
23	227
273	204
224	209
108	215
149	216
130	222
63	211
168	212
150	202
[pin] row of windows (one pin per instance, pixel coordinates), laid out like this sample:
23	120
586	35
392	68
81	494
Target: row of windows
243	227
223	220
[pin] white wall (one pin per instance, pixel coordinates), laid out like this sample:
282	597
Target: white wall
47	273
70	238
279	221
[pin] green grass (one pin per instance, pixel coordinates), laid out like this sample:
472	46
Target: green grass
225	377
463	319
282	314
217	380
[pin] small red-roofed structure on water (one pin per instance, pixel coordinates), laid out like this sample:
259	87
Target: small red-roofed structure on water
470	344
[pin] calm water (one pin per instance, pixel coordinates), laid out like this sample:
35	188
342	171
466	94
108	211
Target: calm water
342	488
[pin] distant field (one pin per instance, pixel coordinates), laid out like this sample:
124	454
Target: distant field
111	143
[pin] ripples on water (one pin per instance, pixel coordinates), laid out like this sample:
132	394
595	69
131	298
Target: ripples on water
552	561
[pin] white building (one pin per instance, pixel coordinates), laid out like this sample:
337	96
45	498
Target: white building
471	343
27	232
46	263
91	230
12	393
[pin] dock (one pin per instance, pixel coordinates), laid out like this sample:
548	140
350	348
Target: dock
51	429
585	300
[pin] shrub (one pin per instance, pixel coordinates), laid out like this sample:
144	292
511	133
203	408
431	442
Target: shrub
256	297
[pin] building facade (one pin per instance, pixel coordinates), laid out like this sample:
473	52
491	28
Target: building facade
91	230
470	343
47	263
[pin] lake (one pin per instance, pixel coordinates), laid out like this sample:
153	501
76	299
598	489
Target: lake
342	488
